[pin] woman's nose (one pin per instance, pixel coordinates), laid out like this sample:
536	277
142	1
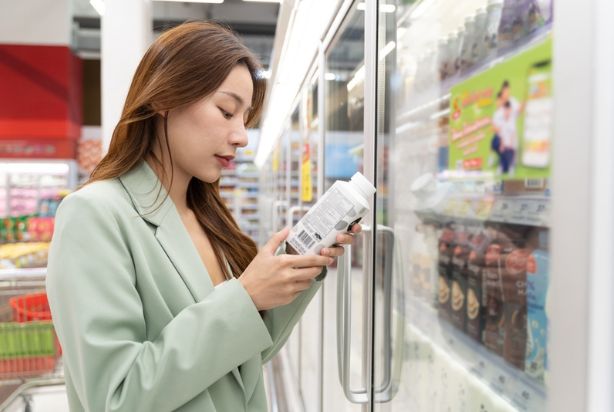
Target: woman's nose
239	136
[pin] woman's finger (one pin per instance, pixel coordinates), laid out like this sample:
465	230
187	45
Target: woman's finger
333	251
344	238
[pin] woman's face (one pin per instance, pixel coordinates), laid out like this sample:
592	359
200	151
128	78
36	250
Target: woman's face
204	136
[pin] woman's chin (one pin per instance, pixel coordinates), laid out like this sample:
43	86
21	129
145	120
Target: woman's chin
209	177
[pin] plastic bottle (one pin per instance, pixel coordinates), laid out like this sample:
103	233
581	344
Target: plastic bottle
343	204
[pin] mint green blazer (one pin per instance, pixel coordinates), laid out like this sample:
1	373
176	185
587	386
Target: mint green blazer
141	326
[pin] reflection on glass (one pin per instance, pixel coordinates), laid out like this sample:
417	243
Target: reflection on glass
343	152
463	150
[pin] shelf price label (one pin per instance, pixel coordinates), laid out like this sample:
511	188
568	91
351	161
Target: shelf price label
501	210
520	211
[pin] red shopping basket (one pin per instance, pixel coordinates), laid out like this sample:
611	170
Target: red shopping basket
28	344
30	307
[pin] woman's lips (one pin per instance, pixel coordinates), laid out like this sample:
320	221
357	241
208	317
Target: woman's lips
225	161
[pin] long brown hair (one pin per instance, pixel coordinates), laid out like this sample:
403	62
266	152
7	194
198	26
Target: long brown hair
183	65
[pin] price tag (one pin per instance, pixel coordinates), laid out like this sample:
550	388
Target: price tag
520	211
501	210
542	211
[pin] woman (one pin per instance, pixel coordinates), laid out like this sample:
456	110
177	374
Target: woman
159	301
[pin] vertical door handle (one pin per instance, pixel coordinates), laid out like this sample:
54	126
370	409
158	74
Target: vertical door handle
294	210
392	370
344	323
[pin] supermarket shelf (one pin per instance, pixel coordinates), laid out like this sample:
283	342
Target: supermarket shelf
249	207
6	274
520	210
228	182
247	185
426	106
513	384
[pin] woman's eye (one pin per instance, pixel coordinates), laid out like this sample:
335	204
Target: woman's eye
226	114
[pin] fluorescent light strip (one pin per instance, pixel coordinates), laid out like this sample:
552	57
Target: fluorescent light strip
98	5
193	1
330	76
383	8
360	73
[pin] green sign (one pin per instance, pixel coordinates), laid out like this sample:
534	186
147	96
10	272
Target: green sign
501	118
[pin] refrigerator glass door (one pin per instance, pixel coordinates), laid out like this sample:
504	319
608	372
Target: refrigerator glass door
292	212
346	308
310	325
464	109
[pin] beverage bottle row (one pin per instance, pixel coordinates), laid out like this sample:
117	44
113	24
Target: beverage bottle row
490	282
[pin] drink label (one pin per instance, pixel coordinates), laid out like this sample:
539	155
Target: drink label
326	216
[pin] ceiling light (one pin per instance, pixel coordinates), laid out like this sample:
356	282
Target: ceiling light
98	5
383	8
194	1
330	76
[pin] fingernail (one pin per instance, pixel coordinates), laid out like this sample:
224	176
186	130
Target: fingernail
324	252
330	261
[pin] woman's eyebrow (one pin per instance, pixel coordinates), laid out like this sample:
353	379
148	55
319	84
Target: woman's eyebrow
236	97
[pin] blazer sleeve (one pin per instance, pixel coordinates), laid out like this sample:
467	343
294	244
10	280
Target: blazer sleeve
281	320
99	319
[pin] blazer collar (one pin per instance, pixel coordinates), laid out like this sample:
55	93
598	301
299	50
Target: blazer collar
148	195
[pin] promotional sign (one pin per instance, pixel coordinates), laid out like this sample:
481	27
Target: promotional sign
501	119
306	183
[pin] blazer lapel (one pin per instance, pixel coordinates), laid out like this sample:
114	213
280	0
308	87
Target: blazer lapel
150	200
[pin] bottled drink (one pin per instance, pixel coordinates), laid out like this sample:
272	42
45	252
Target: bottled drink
343	204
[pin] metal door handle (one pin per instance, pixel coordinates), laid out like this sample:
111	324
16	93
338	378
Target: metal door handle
344	320
293	211
389	386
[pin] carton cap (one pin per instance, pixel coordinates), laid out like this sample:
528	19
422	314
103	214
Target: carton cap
362	184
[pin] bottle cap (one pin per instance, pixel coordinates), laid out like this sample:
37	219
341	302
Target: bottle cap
362	184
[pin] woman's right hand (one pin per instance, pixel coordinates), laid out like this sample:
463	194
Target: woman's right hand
273	281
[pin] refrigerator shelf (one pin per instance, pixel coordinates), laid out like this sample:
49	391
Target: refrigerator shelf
530	211
425	104
524	392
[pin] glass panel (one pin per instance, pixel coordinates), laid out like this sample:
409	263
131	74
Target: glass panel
463	154
343	142
293	155
310	322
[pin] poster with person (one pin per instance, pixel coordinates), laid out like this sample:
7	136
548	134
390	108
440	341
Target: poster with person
501	118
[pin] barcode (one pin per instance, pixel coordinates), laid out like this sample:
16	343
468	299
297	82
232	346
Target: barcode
305	239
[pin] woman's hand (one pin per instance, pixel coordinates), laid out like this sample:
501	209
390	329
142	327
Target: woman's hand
342	239
273	281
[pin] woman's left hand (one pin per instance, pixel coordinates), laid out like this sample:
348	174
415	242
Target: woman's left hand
342	239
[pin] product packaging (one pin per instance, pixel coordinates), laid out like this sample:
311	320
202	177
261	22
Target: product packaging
458	290
494	322
537	321
475	303
444	272
343	204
